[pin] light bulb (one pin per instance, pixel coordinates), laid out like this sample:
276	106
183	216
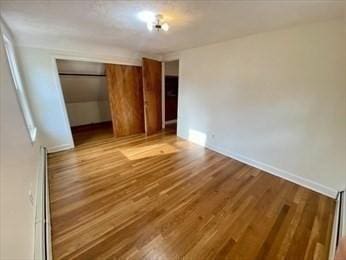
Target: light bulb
165	27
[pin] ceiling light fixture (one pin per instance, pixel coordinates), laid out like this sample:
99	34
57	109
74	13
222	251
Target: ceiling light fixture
154	22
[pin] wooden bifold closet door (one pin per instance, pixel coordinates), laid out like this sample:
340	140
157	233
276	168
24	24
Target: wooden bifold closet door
152	95
125	91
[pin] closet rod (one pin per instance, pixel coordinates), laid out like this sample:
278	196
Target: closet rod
76	74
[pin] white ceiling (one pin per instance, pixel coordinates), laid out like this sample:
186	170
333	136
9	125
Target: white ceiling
193	23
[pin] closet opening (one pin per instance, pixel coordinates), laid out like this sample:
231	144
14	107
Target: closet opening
84	87
171	93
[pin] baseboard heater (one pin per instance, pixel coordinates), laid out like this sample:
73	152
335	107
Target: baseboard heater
43	245
338	224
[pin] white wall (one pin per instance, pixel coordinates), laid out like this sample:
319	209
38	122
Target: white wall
45	96
18	168
76	66
40	71
86	97
83	88
276	100
172	68
84	113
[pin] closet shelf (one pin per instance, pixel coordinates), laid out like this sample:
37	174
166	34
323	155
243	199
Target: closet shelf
81	74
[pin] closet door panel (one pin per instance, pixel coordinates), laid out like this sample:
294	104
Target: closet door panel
152	95
125	91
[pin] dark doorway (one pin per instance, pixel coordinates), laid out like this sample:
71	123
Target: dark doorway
171	93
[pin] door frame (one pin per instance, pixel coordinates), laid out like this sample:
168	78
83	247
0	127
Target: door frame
163	94
163	90
61	56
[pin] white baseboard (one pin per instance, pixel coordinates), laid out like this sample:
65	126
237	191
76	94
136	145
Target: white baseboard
60	148
312	185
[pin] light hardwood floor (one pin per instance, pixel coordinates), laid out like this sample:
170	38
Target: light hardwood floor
161	197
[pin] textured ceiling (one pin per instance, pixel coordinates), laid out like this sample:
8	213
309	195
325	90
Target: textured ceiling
193	23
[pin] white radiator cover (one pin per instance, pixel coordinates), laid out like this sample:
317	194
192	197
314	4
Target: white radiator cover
43	249
343	215
339	223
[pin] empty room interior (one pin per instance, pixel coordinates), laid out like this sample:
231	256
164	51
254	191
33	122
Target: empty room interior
173	129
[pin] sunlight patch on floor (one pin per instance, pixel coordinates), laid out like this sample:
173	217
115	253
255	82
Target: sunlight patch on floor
135	153
185	145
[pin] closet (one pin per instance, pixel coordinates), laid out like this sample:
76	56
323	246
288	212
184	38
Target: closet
85	92
125	98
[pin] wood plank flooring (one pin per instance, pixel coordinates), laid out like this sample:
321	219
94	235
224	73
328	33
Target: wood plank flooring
161	197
